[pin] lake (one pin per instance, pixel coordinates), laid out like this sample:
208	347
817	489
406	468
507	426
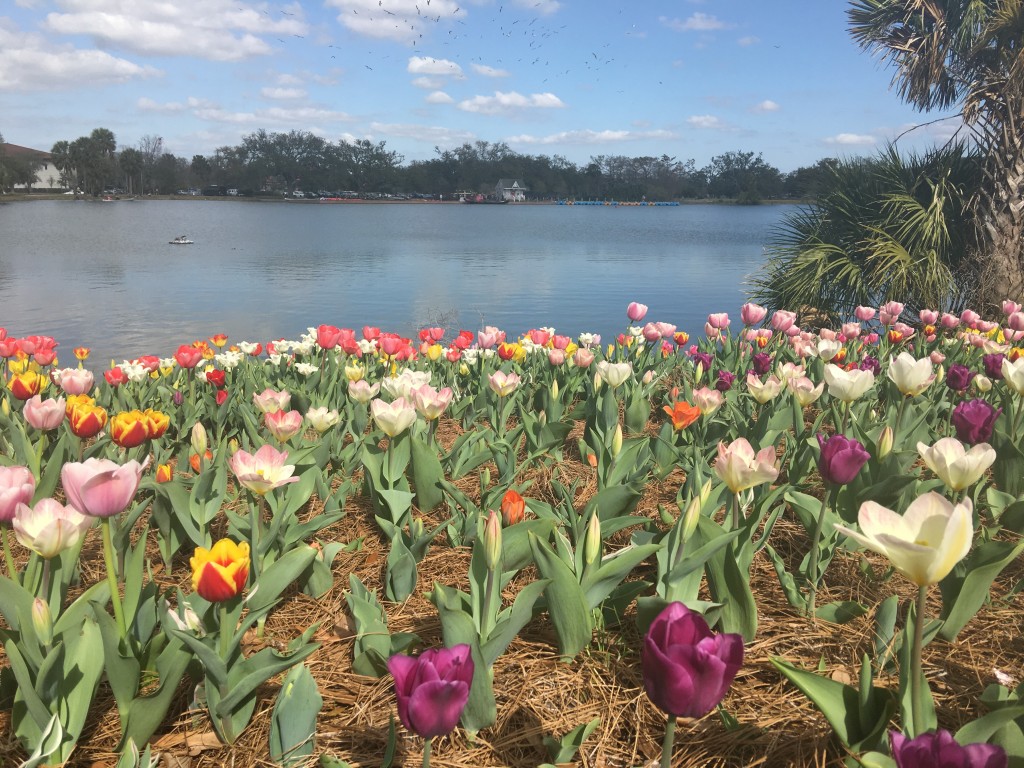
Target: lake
103	274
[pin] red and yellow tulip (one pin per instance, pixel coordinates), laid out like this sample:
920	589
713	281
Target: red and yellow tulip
219	573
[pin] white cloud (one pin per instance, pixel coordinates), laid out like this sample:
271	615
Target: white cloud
482	69
428	65
428	83
852	140
430	134
31	63
509	102
288	79
705	121
748	40
148	105
394	20
698	22
767	106
218	30
588	136
439	97
283	93
542	7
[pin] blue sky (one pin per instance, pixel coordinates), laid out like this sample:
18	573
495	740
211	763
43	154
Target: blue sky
686	78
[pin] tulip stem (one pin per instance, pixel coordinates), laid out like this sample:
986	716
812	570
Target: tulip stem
916	673
11	570
736	510
812	569
666	745
115	591
426	752
255	523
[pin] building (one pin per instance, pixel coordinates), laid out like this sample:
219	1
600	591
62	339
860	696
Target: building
511	190
46	174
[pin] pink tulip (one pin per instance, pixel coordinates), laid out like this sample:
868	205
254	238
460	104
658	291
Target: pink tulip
864	314
636	312
851	330
283	425
560	342
827	334
985	326
262	471
49	527
582	357
719	320
370	333
937	357
74	381
782	320
328	336
44	414
667	330
949	321
100	487
539	336
893	308
556	356
741	468
903	329
928	316
431	402
752	314
271	401
17	485
711	332
969	317
1009	307
651	332
503	384
486	339
1015	320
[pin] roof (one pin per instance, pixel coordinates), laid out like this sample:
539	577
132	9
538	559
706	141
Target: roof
510	183
15	150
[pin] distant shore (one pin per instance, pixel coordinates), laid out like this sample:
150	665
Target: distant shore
28	197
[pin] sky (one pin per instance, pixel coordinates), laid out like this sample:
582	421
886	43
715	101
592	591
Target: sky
690	79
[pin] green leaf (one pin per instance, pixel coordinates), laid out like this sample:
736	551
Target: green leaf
293	720
563	750
963	596
566	602
840	612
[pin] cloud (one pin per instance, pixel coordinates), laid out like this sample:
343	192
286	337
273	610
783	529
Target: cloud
428	65
31	63
300	118
288	79
698	22
148	105
852	139
439	97
283	93
218	30
767	106
429	134
482	69
509	102
542	7
748	40
394	20
428	83
588	136
705	121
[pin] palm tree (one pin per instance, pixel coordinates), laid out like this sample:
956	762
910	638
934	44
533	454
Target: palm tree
60	153
966	53
130	161
888	228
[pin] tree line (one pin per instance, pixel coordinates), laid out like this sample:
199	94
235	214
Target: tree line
268	162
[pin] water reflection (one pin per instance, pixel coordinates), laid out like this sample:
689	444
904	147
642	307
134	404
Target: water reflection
104	275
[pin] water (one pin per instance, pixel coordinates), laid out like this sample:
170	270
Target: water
103	274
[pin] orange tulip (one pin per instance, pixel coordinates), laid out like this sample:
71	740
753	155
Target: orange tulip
219	340
682	414
196	463
129	428
27	385
513	508
164	473
157	423
87	420
82	353
219	573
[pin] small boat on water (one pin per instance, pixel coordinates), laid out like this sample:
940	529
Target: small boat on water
181	240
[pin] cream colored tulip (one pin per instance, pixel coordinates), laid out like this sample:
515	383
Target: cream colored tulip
803	390
1013	374
911	376
847	385
740	468
614	374
763	391
924	543
393	418
708	400
954	465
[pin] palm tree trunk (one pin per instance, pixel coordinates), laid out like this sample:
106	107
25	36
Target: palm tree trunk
1000	214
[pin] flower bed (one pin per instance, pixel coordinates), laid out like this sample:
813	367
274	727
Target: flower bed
282	527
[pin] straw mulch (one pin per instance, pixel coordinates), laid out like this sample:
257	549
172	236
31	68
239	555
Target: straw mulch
540	695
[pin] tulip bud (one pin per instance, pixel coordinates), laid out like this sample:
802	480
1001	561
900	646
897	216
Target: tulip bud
164	473
690	518
416	528
698	373
485	479
199	439
981	382
492	541
665	515
542	418
592	540
885	441
705	492
554	389
232	446
464	370
648	376
178	398
617	441
42	621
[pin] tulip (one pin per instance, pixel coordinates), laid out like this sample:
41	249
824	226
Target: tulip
614	374
782	320
164	473
42	414
804	391
49	527
763	391
957	467
725	380
25	385
81	353
219	573
188	356
513	508
973	420
129	428
503	384
157	423
708	400
636	312
841	459
86	419
262	471
100	487
17	486
682	414
911	376
741	468
283	425
718	320
328	336
322	419
864	314
432	689
362	391
430	402
74	381
752	314
958	377
847	385
216	378
941	750
270	401
393	418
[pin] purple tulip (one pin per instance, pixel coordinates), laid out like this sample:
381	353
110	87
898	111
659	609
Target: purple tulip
841	459
725	380
432	688
993	365
870	364
686	668
940	750
958	377
973	421
703	358
762	363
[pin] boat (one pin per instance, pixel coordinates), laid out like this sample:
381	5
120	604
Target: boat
181	240
478	199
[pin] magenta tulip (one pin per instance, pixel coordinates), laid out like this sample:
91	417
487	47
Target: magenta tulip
841	459
432	689
941	750
100	487
973	421
686	668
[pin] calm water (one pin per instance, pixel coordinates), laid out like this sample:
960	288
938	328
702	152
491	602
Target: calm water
103	274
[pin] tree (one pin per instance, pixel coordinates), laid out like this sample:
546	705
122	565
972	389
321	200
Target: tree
130	161
60	153
968	54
